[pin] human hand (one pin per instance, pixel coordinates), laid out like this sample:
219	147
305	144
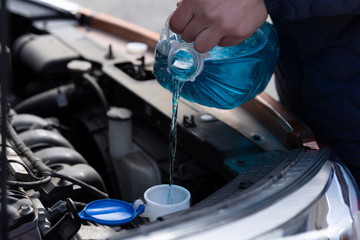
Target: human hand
208	23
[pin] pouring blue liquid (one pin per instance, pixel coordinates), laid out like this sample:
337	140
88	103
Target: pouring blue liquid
226	77
173	136
223	78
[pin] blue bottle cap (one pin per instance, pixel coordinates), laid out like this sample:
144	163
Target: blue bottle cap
110	212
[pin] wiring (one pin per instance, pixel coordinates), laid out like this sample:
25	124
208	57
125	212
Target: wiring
40	181
29	184
28	170
43	169
12	148
82	184
26	152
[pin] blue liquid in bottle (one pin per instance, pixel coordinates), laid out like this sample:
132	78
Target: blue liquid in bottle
228	76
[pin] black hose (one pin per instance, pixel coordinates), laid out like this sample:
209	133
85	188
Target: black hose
82	184
24	150
98	89
48	100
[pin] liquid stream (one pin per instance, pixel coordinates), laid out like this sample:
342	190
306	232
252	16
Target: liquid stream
173	135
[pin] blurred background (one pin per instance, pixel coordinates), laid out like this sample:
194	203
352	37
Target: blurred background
150	14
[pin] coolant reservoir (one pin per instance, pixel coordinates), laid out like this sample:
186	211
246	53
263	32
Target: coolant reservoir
135	170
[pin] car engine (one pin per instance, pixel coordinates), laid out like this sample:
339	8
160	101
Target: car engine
86	122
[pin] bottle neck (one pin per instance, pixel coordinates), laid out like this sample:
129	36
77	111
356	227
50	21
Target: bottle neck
184	62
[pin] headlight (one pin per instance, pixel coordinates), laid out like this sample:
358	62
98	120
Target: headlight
334	215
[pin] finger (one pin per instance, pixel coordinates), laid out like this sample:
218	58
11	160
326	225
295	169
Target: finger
207	40
180	18
229	41
192	30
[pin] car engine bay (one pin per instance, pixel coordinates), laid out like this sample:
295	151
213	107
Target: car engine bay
86	123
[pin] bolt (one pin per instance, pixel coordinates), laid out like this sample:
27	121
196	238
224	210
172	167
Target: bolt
45	227
256	137
41	214
25	209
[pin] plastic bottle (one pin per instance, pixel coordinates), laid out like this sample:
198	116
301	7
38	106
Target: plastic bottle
225	77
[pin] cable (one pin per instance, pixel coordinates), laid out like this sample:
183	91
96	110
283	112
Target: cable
41	181
24	150
82	184
43	169
37	182
31	184
47	179
28	170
